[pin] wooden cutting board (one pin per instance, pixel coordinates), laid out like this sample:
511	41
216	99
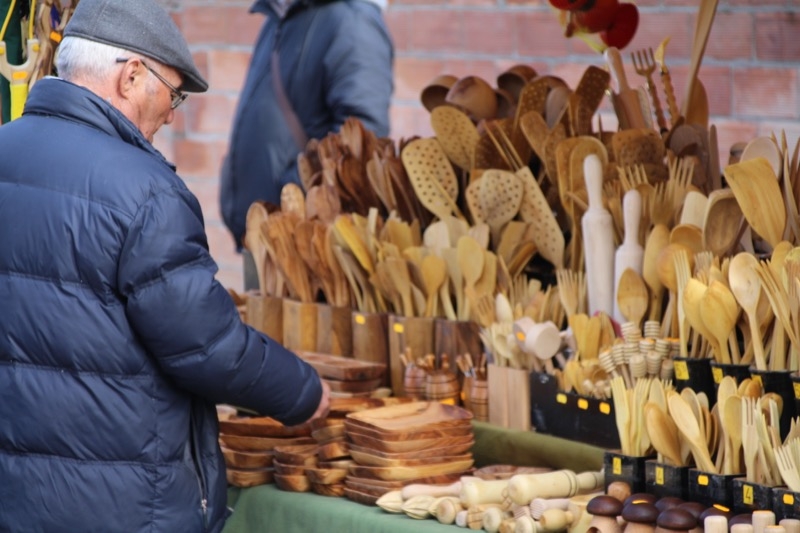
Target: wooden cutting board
410	417
342	368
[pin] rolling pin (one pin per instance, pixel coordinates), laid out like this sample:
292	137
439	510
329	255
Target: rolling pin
477	491
523	488
630	253
437	491
598	241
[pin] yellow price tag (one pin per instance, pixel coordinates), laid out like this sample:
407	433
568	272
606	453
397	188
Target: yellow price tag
448	401
616	466
605	408
659	475
796	390
360	320
55	36
716	372
583	404
681	370
702	480
398	328
747	494
788	499
561	398
520	336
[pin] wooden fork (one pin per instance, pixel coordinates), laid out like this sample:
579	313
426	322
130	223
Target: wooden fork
645	64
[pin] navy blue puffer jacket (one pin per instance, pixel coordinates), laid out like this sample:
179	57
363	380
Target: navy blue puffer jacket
335	62
115	339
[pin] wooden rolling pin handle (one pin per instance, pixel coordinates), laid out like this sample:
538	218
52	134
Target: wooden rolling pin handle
523	488
437	491
476	491
556	520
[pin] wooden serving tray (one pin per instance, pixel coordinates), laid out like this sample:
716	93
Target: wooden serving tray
249	478
292	483
247	460
367	459
360	497
410	417
333	489
344	406
261	426
260	444
463	430
289	469
298	454
404	473
326	476
342	368
407	446
379	458
363	386
327	434
380	487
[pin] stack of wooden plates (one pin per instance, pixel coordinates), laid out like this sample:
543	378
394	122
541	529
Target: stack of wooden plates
417	442
290	466
347	377
333	456
248	447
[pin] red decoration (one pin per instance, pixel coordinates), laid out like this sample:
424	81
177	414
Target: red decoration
613	21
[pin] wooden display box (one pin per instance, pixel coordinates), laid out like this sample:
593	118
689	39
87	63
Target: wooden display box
625	468
711	489
749	497
663	480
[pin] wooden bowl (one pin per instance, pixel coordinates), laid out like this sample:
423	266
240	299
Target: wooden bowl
289	470
335	489
247	460
304	455
261	426
292	483
407	446
326	476
475	95
260	444
249	478
434	93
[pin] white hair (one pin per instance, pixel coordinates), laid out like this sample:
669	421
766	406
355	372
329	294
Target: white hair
77	57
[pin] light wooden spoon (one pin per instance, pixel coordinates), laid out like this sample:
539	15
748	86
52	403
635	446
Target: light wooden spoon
434	274
693	295
663	433
720	312
687	424
632	296
470	262
658	239
746	288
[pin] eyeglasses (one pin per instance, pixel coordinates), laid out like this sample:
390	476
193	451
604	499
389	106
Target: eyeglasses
177	96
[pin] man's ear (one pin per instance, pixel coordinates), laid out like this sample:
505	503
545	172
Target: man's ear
133	74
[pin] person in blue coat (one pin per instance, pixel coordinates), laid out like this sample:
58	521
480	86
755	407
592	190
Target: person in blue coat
331	59
116	342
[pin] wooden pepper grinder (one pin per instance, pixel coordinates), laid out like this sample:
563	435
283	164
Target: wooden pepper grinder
598	241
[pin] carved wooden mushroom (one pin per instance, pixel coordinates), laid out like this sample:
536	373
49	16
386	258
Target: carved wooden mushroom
604	510
640	497
640	517
619	489
668	502
697	509
675	520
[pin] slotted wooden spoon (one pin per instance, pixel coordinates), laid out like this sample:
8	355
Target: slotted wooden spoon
432	176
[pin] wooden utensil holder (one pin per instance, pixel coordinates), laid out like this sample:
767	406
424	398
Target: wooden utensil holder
456	337
442	386
479	399
509	397
370	339
265	313
299	325
334	330
407	333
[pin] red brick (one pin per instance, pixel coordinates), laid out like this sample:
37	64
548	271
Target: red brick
199	159
487	32
201	61
485	69
227	69
730	132
210	113
399	24
408	120
776	38
654	28
540	34
243	26
572	72
214	24
765	93
411	75
731	37
438	30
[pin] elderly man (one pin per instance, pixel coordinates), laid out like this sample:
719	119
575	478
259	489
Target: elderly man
115	340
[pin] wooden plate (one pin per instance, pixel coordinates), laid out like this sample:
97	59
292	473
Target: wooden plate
407	446
342	368
345	406
369	457
402	473
335	489
326	476
365	386
360	497
465	429
379	487
410	417
336	463
333	450
248	460
261	427
260	444
289	470
329	433
292	483
303	454
249	478
319	423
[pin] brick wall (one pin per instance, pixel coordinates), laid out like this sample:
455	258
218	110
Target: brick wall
750	70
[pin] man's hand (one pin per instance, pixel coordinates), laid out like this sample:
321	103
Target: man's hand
324	402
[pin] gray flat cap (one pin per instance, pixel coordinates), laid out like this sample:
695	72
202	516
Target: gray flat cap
141	26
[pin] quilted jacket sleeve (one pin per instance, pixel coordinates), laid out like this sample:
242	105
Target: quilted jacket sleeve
358	69
188	322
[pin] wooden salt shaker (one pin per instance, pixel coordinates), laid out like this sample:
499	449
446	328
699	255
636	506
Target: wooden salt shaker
598	241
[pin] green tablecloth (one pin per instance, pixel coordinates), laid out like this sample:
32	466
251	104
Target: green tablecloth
265	508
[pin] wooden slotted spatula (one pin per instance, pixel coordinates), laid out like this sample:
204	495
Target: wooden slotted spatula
500	197
431	176
457	134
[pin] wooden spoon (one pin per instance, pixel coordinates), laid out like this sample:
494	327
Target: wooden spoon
470	262
732	416
755	185
434	274
632	296
746	288
658	239
688	426
720	312
663	433
721	222
693	295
